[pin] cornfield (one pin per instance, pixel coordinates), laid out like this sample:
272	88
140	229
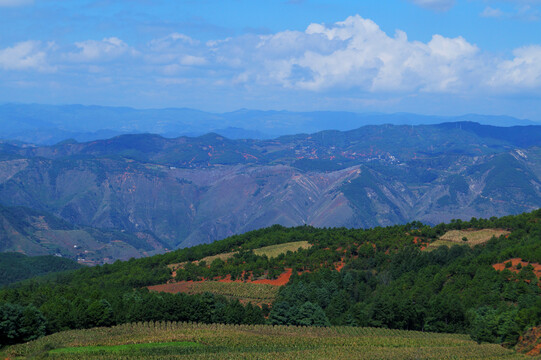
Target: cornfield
255	341
260	293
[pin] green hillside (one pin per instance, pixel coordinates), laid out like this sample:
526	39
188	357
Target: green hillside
16	267
381	277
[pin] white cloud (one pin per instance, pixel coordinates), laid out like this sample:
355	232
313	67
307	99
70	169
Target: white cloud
490	12
354	57
354	53
174	40
190	60
438	5
14	3
176	52
27	55
105	50
523	71
351	55
523	11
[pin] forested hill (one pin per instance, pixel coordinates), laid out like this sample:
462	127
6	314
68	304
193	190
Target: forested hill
480	277
16	267
186	191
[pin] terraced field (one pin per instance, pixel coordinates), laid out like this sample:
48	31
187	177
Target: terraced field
198	341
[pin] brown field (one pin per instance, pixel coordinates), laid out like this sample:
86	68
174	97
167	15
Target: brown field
243	291
475	237
262	291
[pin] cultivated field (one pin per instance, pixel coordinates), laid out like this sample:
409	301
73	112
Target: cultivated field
275	250
198	341
243	291
270	251
475	237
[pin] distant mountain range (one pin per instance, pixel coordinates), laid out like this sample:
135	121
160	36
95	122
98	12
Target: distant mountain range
32	232
50	124
184	191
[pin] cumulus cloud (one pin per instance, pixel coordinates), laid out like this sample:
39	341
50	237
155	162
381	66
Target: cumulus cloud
27	55
105	50
354	53
523	71
438	5
353	56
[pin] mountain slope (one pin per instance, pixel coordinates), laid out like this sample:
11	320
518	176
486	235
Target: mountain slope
32	232
188	191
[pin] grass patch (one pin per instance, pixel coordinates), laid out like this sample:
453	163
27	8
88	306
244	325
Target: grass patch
474	237
276	250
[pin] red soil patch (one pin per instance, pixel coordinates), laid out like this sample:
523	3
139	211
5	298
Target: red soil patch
339	265
227	279
514	263
280	281
418	240
185	286
529	342
535	351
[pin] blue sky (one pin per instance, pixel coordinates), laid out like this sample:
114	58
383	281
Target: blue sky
445	57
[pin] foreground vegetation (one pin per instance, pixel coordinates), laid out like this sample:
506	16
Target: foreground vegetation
198	341
385	280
